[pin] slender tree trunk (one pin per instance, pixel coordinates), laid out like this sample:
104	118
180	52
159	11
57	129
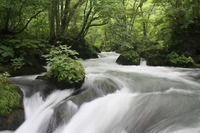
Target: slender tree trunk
61	9
146	21
6	29
135	9
86	18
51	24
65	16
57	18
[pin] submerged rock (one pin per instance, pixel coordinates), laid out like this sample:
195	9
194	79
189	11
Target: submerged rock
13	121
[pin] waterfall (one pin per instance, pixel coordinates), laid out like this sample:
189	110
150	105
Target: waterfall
143	62
115	99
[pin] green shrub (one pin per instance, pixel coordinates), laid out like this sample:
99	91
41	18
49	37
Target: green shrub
4	77
180	60
64	66
17	63
10	97
19	53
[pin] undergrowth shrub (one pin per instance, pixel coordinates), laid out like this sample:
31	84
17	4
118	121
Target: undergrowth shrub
64	65
23	52
180	60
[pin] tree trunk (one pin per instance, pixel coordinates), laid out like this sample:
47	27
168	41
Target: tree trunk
65	16
57	17
51	25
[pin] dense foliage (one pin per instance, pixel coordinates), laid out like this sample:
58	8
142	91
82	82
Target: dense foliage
112	25
64	66
18	54
180	60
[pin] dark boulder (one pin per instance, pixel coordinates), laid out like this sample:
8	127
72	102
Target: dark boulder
128	58
29	70
13	121
60	85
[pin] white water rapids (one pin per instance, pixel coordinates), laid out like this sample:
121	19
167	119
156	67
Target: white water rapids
118	99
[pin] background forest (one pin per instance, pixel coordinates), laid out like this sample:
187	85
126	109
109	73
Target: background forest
164	32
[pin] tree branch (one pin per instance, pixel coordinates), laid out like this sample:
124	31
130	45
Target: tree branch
25	26
85	20
100	24
20	9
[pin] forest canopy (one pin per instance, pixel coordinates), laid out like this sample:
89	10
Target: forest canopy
148	27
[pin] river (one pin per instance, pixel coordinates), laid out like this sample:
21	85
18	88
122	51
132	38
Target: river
116	99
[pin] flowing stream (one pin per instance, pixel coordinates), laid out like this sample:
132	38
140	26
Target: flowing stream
115	99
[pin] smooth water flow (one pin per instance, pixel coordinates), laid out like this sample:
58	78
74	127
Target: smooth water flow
117	99
143	62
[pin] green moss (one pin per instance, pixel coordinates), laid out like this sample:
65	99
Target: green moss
10	97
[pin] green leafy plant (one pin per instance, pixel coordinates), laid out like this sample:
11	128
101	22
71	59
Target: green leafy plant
4	77
64	65
6	51
25	53
26	49
18	63
180	60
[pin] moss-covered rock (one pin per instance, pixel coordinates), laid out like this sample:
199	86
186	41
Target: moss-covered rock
155	56
13	121
67	75
11	107
66	70
129	58
10	98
